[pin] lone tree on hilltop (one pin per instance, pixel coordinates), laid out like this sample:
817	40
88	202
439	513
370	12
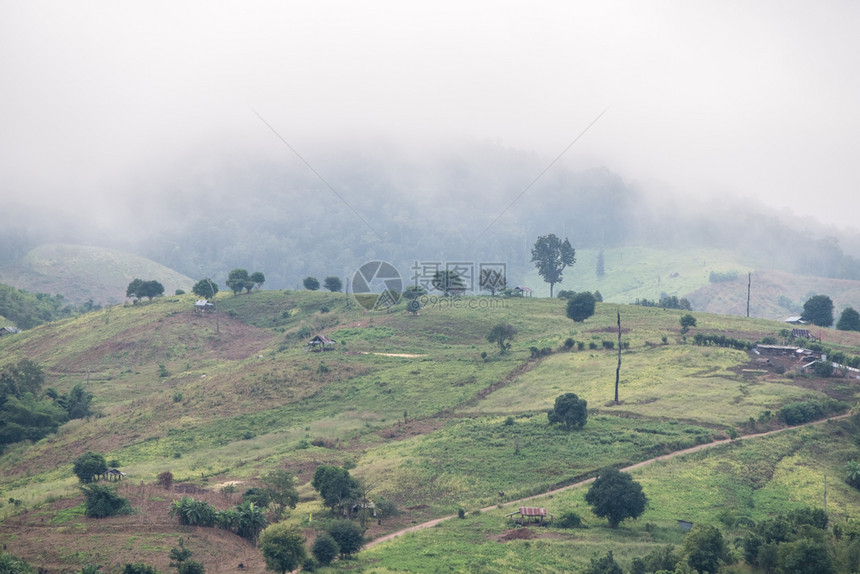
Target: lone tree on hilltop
239	280
818	310
311	283
139	289
616	496
569	410
581	306
333	284
503	334
205	288
551	255
849	320
258	278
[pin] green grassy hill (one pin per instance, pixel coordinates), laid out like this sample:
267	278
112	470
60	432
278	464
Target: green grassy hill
83	272
423	410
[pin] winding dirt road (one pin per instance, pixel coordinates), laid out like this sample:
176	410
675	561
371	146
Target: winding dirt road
434	522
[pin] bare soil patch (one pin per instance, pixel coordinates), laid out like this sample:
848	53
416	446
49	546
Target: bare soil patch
145	536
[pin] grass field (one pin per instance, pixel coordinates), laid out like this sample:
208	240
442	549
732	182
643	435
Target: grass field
426	412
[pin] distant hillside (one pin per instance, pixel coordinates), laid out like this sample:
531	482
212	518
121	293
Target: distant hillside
714	280
82	272
774	295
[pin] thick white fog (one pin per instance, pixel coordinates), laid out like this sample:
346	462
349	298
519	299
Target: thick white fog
103	101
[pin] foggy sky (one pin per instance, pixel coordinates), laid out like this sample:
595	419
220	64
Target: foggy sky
750	99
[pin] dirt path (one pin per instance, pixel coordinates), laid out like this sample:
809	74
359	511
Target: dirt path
670	455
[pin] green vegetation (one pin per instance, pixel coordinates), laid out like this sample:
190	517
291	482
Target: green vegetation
616	496
580	306
551	256
103	501
26	310
283	547
818	310
570	411
408	414
89	466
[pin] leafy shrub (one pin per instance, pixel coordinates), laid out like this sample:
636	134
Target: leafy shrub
570	520
325	549
807	411
348	535
569	343
103	501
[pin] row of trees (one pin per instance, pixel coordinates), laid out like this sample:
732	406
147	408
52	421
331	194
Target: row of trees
138	289
331	283
818	310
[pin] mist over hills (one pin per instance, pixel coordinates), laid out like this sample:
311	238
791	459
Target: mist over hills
339	206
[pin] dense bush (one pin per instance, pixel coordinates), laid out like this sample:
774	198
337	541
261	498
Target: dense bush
667	302
721	341
807	411
103	501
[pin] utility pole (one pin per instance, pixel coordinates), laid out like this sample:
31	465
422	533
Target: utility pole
749	286
618	369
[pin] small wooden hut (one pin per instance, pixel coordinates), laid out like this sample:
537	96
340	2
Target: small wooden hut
528	514
320	343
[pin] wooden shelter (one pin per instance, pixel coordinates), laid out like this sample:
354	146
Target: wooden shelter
320	343
803	334
204	306
530	514
113	474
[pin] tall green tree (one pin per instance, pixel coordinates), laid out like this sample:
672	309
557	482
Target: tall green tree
849	320
311	283
325	549
89	465
336	486
551	256
280	485
705	548
569	410
257	278
348	535
238	280
502	334
134	288
283	547
818	310
205	288
614	495
332	283
20	378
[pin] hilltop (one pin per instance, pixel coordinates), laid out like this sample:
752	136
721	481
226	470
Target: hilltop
420	407
83	272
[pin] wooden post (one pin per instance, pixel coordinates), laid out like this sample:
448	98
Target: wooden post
618	369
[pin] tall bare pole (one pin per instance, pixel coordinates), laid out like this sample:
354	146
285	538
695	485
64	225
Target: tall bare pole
749	286
618	369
